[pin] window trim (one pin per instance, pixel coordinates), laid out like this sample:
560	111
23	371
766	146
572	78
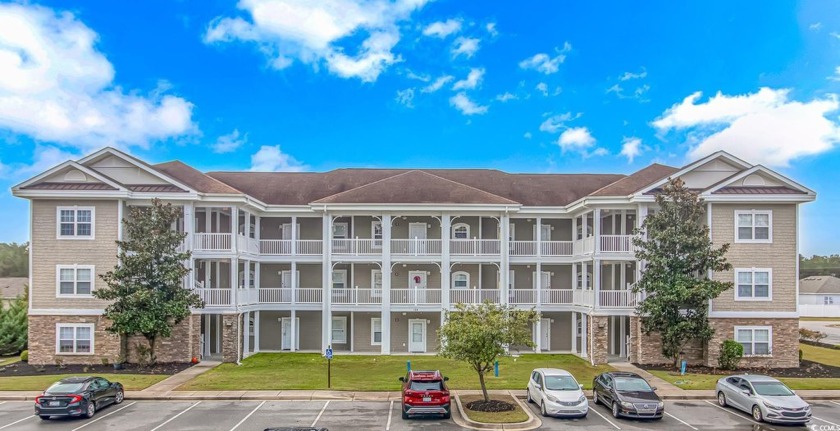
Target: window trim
75	268
828	300
456	273
374	291
769	239
752	339
373	224
769	272
458	225
58	327
75	235
344	275
343	331
373	341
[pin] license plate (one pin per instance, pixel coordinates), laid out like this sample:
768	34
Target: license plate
53	403
427	399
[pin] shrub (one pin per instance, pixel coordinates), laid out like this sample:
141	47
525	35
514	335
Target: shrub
730	354
800	356
809	335
24	356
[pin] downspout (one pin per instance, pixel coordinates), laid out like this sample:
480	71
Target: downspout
238	338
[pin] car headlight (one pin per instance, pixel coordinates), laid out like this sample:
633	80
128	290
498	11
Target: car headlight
661	404
771	406
626	405
551	398
582	399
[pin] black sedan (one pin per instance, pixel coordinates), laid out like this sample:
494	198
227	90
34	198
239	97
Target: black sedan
78	396
627	394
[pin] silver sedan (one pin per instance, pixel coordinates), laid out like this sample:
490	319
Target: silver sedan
764	397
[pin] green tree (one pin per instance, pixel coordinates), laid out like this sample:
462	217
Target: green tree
145	288
14	326
678	255
14	259
479	334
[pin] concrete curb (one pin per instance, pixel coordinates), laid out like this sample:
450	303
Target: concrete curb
462	420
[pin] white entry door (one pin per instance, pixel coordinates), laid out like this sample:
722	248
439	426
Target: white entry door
545	334
417	284
417	235
286	333
417	336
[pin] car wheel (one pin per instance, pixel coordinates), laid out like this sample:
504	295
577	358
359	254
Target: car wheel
528	397
91	410
615	411
447	415
756	414
44	417
595	398
404	414
722	399
542	409
120	397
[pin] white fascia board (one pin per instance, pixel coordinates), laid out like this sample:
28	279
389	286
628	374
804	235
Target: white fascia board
762	169
415	207
100	194
768	198
692	166
74	165
66	312
136	162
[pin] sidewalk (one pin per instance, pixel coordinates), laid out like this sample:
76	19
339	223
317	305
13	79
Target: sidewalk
171	383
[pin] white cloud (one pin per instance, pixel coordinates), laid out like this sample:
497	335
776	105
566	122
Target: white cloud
765	127
836	76
441	29
506	96
55	86
229	143
467	107
437	84
544	63
815	26
575	138
631	148
272	159
638	92
527	135
418	77
491	28
405	97
466	46
45	157
309	31
558	122
542	87
835	34
630	75
472	80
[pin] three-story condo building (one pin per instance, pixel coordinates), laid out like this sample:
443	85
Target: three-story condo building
368	260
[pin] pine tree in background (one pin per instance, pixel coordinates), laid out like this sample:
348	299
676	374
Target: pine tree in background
14	326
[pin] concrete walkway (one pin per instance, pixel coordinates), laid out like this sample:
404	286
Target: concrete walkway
172	382
662	387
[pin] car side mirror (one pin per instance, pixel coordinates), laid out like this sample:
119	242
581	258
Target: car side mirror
402	379
445	379
581	387
653	388
746	392
538	386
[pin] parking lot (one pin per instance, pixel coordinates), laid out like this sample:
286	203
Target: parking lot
368	415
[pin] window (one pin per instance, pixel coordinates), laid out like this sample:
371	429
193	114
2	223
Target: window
375	331
340	231
757	340
753	226
461	280
753	285
75	222
339	330
74	280
376	233
74	338
828	300
461	231
376	283
339	279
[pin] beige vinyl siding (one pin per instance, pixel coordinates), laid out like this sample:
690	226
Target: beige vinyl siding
271	331
361	332
272	227
47	251
399	276
399	228
399	330
561	330
560	278
310	274
780	256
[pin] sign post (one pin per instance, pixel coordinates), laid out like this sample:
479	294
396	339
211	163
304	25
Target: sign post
329	355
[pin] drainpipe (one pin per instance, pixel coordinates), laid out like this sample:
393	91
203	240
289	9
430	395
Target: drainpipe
238	338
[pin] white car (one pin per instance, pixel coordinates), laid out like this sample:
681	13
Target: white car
557	393
764	397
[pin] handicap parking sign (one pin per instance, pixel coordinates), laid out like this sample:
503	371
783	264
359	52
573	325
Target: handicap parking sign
329	353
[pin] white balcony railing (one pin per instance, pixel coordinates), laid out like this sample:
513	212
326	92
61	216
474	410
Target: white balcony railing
308	295
556	248
215	297
546	248
415	296
247	245
585	298
584	246
474	296
356	296
275	295
474	247
557	296
212	242
356	247
415	247
617	299
286	247
522	296
616	243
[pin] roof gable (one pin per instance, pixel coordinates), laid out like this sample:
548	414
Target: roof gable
130	169
706	171
70	176
757	180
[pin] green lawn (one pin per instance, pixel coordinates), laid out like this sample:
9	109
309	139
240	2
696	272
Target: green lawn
278	371
820	354
131	382
820	319
514	416
6	360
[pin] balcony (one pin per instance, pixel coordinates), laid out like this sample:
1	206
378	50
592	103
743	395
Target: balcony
617	244
356	247
215	297
583	246
475	247
415	247
212	242
288	247
415	296
617	299
247	245
474	296
356	296
545	248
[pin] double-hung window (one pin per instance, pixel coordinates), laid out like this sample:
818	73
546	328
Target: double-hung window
74	338
753	284
376	331
754	226
339	330
757	340
461	231
376	233
74	280
828	300
75	222
461	280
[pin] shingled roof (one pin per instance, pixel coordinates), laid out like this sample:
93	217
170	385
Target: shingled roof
194	178
820	284
637	181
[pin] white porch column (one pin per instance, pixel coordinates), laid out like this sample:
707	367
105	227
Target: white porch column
505	264
574	276
538	335
234	228
596	280
386	285
538	283
234	280
295	235
352	331
293	279
574	332
596	229
574	229
257	331
326	286
445	262
293	329
584	335
246	337
623	341
539	236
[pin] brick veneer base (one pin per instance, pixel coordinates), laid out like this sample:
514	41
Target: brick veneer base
598	339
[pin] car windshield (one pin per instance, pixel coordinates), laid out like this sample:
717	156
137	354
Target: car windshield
771	389
65	388
561	383
631	384
430	385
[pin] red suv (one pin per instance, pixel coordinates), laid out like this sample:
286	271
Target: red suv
425	393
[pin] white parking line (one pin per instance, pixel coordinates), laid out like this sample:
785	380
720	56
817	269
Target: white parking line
823	420
835	402
16	422
174	417
249	415
593	410
739	415
681	421
105	416
390	412
319	414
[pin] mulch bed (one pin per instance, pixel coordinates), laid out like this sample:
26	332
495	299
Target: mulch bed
25	369
492	406
806	369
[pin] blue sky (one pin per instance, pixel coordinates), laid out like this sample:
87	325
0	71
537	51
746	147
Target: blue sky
317	85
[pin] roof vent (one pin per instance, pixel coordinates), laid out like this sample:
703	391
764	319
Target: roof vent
754	180
75	176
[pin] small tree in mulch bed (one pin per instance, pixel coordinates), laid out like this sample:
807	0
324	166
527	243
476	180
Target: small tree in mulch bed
479	335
